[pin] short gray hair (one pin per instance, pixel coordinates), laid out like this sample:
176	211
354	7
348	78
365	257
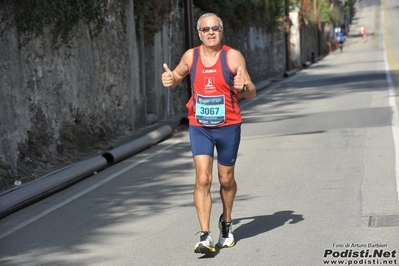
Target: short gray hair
208	15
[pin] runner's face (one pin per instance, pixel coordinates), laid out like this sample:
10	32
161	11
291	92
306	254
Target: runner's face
210	37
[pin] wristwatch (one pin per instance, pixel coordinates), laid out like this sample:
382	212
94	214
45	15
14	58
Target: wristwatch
244	89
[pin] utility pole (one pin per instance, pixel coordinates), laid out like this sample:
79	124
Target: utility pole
319	25
315	8
317	15
189	29
288	63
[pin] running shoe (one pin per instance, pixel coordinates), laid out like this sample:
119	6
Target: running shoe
226	238
206	244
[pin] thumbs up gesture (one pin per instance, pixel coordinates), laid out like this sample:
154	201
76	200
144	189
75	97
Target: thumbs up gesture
239	80
167	77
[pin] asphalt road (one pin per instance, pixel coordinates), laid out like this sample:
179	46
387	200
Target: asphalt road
316	178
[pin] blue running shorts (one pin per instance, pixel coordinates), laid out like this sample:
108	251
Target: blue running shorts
226	140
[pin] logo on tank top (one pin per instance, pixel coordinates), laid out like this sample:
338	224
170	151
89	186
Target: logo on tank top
209	84
205	71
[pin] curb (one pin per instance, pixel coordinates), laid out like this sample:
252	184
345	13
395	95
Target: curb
20	197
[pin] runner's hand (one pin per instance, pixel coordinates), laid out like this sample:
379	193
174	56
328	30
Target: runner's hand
239	80
167	77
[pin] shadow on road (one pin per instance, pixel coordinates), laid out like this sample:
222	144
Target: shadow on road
258	225
264	223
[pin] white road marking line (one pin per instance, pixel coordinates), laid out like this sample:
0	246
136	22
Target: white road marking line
392	96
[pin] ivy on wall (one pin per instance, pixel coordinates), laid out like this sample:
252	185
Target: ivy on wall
63	17
266	14
153	13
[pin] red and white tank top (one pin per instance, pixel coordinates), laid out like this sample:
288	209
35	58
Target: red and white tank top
214	101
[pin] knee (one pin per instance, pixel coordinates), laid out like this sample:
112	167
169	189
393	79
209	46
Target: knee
227	182
203	181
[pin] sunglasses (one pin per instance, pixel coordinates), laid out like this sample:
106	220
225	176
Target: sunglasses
214	28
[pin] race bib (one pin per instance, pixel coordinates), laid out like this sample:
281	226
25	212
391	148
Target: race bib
210	110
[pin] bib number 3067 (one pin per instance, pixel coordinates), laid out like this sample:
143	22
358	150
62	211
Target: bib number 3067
210	110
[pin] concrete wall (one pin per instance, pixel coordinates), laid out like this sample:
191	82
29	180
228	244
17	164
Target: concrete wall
58	105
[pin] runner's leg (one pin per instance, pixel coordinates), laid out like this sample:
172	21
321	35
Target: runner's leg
202	194
228	190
